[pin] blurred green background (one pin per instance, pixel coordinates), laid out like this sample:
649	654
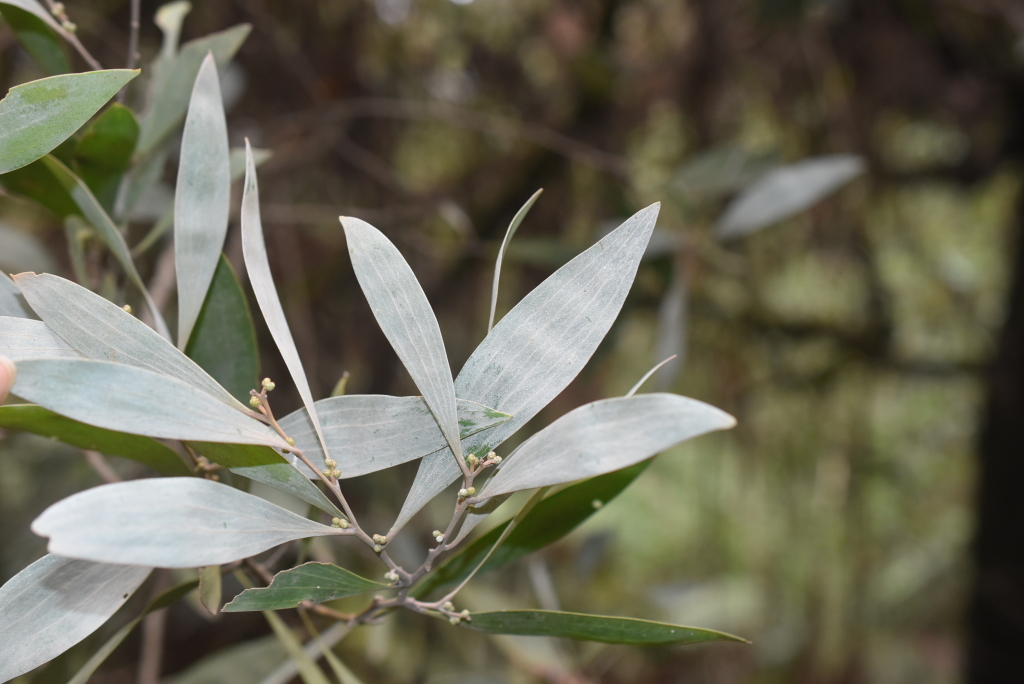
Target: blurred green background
833	526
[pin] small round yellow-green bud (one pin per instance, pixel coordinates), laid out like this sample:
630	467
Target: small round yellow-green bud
438	536
449	606
268	384
471	491
291	442
597	503
495	458
343	524
391	576
127	308
326	473
335	474
68	26
454	620
491	454
255	402
330	462
377	548
335	522
463	493
464	615
380	539
472	460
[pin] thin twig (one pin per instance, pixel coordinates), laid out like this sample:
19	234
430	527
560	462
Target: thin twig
133	36
100	465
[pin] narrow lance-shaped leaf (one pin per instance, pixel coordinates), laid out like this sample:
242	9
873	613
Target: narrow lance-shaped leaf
202	197
35	117
12	302
604	436
162	601
173	522
785	191
99	329
40	421
104	152
137	401
225	323
316	582
609	630
509	234
254	250
56	602
107	231
536	350
550	520
404	315
24	338
173	87
287	478
38	38
367	433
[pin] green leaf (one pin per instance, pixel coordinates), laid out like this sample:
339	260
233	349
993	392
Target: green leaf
609	630
94	213
99	329
173	522
210	588
404	315
509	234
223	341
287	478
172	91
603	436
239	455
38	39
56	602
550	520
104	152
538	347
202	197
40	12
785	191
254	250
137	401
370	432
316	582
37	420
162	601
35	117
35	182
308	669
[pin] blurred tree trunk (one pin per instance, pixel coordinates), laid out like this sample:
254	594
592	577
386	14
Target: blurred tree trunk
996	621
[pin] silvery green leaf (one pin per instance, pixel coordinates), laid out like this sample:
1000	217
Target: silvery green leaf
785	191
169	18
137	401
509	234
202	197
105	228
368	432
174	522
672	327
101	330
173	85
603	436
540	346
56	602
287	478
12	302
404	315
254	250
24	338
237	160
35	117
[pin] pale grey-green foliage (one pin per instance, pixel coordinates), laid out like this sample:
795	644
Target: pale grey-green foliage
101	330
25	338
177	522
404	315
201	198
56	602
603	436
287	478
12	303
137	401
254	250
509	234
35	117
107	231
785	191
536	350
369	432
